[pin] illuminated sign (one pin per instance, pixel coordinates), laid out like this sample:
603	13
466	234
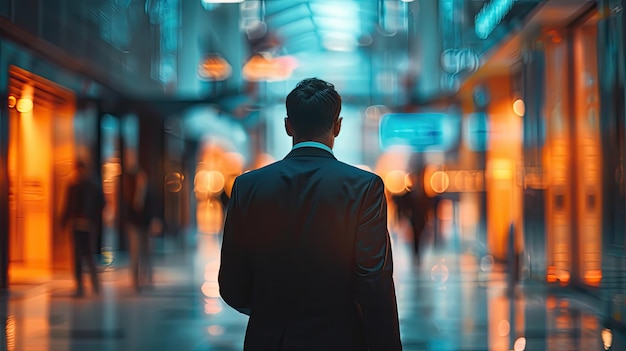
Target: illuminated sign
490	16
430	131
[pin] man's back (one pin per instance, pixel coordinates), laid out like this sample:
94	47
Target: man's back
306	254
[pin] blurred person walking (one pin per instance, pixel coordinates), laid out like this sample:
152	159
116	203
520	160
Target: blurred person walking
414	205
83	207
306	252
140	222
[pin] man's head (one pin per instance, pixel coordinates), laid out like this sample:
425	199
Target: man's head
313	108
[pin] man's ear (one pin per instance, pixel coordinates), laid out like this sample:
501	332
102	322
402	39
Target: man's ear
337	126
288	127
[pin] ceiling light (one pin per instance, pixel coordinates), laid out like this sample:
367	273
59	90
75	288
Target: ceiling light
340	42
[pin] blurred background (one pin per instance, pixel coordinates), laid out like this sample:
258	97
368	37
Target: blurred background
498	127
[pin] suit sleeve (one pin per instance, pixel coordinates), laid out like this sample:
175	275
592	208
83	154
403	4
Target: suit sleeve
235	274
374	289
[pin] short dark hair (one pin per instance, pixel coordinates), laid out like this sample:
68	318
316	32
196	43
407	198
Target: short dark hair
312	107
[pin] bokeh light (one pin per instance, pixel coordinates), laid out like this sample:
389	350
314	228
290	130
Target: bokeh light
439	181
504	328
607	338
174	182
394	181
519	107
440	273
212	306
486	263
12	101
215	330
520	344
24	105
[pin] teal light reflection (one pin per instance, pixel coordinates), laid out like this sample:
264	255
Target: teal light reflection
490	16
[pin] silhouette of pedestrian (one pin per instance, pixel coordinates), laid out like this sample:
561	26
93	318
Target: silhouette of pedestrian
140	220
84	205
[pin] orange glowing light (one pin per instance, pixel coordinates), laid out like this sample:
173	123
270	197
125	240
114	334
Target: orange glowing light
554	36
111	170
439	182
214	68
210	289
519	107
551	276
215	182
209	182
564	277
24	105
12	101
263	66
210	216
551	302
607	338
593	277
263	159
394	181
501	169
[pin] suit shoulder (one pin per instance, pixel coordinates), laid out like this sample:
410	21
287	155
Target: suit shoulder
358	171
254	174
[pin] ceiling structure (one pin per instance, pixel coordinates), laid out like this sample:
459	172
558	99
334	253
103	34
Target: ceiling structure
372	48
388	50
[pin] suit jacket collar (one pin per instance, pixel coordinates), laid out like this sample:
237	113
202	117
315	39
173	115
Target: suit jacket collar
310	152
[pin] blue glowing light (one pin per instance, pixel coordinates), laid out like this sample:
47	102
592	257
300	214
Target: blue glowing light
490	16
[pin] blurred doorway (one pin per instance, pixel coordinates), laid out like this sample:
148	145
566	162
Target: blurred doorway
40	158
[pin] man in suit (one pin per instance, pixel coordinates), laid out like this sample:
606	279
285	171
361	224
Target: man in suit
306	252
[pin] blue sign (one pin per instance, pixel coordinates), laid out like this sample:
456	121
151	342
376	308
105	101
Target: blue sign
421	132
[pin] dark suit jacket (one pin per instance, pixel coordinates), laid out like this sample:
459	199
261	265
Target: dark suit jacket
306	254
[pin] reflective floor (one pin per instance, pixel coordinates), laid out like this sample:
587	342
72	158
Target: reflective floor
450	303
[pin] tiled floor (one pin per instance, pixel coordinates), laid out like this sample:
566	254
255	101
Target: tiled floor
449	304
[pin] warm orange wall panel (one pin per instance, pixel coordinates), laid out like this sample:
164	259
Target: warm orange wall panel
503	158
